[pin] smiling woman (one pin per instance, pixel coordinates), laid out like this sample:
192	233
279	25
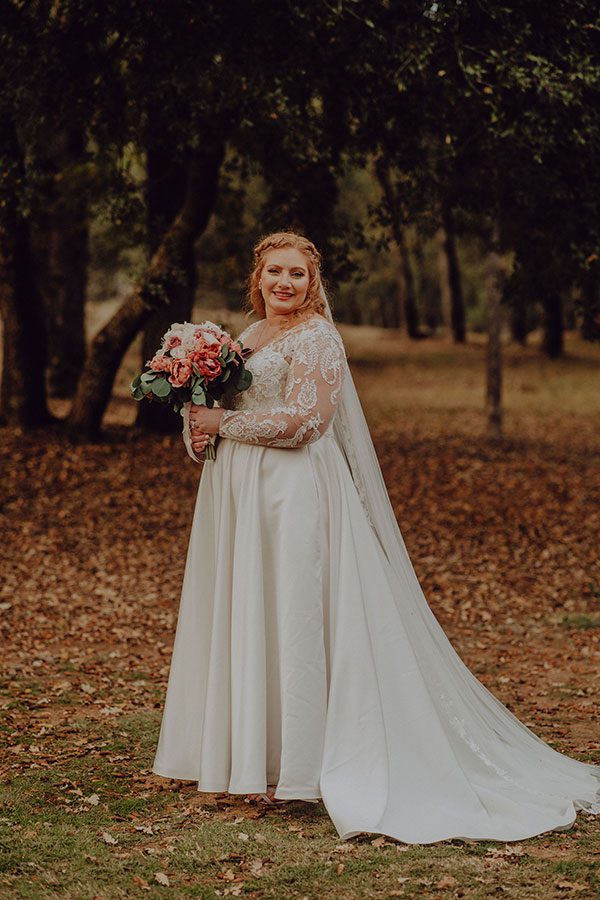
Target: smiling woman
283	291
307	663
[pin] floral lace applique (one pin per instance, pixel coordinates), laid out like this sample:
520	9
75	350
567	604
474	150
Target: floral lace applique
295	389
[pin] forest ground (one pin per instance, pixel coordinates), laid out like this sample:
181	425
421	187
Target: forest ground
504	538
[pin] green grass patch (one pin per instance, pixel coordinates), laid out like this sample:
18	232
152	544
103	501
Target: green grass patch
93	826
581	621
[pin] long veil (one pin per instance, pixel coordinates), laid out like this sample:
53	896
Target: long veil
476	724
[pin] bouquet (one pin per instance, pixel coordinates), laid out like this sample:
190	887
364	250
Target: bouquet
194	364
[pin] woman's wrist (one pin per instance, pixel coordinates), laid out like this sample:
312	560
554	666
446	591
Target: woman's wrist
203	419
216	414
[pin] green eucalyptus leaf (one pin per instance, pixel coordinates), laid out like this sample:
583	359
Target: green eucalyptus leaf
161	387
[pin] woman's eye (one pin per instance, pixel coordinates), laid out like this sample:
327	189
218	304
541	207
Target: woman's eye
276	272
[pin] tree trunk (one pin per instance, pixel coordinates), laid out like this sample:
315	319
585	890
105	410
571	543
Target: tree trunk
61	242
110	344
158	418
389	308
493	296
427	288
590	303
553	343
166	188
23	391
411	316
518	323
444	279
569	320
457	303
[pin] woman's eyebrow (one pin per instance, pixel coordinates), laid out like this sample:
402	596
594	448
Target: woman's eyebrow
276	266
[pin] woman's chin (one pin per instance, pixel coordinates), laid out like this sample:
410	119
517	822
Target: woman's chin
284	307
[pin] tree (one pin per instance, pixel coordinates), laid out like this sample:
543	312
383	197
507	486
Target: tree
493	106
172	80
23	396
397	219
60	247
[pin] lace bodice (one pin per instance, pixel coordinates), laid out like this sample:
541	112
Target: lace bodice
295	388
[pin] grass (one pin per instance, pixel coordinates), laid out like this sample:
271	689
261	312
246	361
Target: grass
581	621
55	842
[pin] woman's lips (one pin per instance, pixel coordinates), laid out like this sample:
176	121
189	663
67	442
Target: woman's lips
280	294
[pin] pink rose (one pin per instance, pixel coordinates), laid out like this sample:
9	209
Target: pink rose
180	372
209	368
161	363
173	341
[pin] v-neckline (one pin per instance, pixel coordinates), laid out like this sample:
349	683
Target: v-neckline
278	338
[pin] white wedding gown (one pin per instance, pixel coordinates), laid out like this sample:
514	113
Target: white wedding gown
303	658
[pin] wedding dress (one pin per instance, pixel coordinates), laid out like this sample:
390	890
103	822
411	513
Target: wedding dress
306	655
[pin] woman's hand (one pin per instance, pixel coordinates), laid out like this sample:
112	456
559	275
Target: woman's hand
204	422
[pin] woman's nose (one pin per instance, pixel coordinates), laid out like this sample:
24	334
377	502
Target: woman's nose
283	280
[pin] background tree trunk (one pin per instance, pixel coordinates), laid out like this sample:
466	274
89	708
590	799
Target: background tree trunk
23	398
444	279
409	299
518	323
455	291
61	251
493	296
553	341
590	295
427	287
109	345
394	205
166	189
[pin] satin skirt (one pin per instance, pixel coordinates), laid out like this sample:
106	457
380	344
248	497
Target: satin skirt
292	666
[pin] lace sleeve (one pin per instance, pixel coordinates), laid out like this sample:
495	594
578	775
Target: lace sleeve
311	395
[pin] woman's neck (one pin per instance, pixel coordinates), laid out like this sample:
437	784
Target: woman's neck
274	319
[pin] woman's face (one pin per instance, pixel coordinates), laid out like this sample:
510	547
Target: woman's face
284	280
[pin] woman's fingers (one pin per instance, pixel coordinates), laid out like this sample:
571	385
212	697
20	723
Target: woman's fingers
199	442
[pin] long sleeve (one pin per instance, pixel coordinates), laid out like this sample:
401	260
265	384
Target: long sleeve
312	393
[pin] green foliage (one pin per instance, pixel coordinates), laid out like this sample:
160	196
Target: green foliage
490	108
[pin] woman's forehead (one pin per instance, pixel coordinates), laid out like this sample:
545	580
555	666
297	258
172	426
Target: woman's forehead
286	256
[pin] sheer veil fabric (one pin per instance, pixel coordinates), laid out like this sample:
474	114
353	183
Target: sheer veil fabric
415	747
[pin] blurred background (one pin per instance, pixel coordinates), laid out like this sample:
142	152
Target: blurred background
442	156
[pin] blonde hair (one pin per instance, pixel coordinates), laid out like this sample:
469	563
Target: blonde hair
313	302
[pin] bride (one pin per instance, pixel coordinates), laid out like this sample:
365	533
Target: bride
306	657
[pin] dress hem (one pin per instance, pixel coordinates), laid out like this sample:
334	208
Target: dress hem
283	794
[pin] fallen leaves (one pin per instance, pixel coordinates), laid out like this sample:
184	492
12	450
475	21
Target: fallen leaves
446	882
509	851
507	558
574	886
